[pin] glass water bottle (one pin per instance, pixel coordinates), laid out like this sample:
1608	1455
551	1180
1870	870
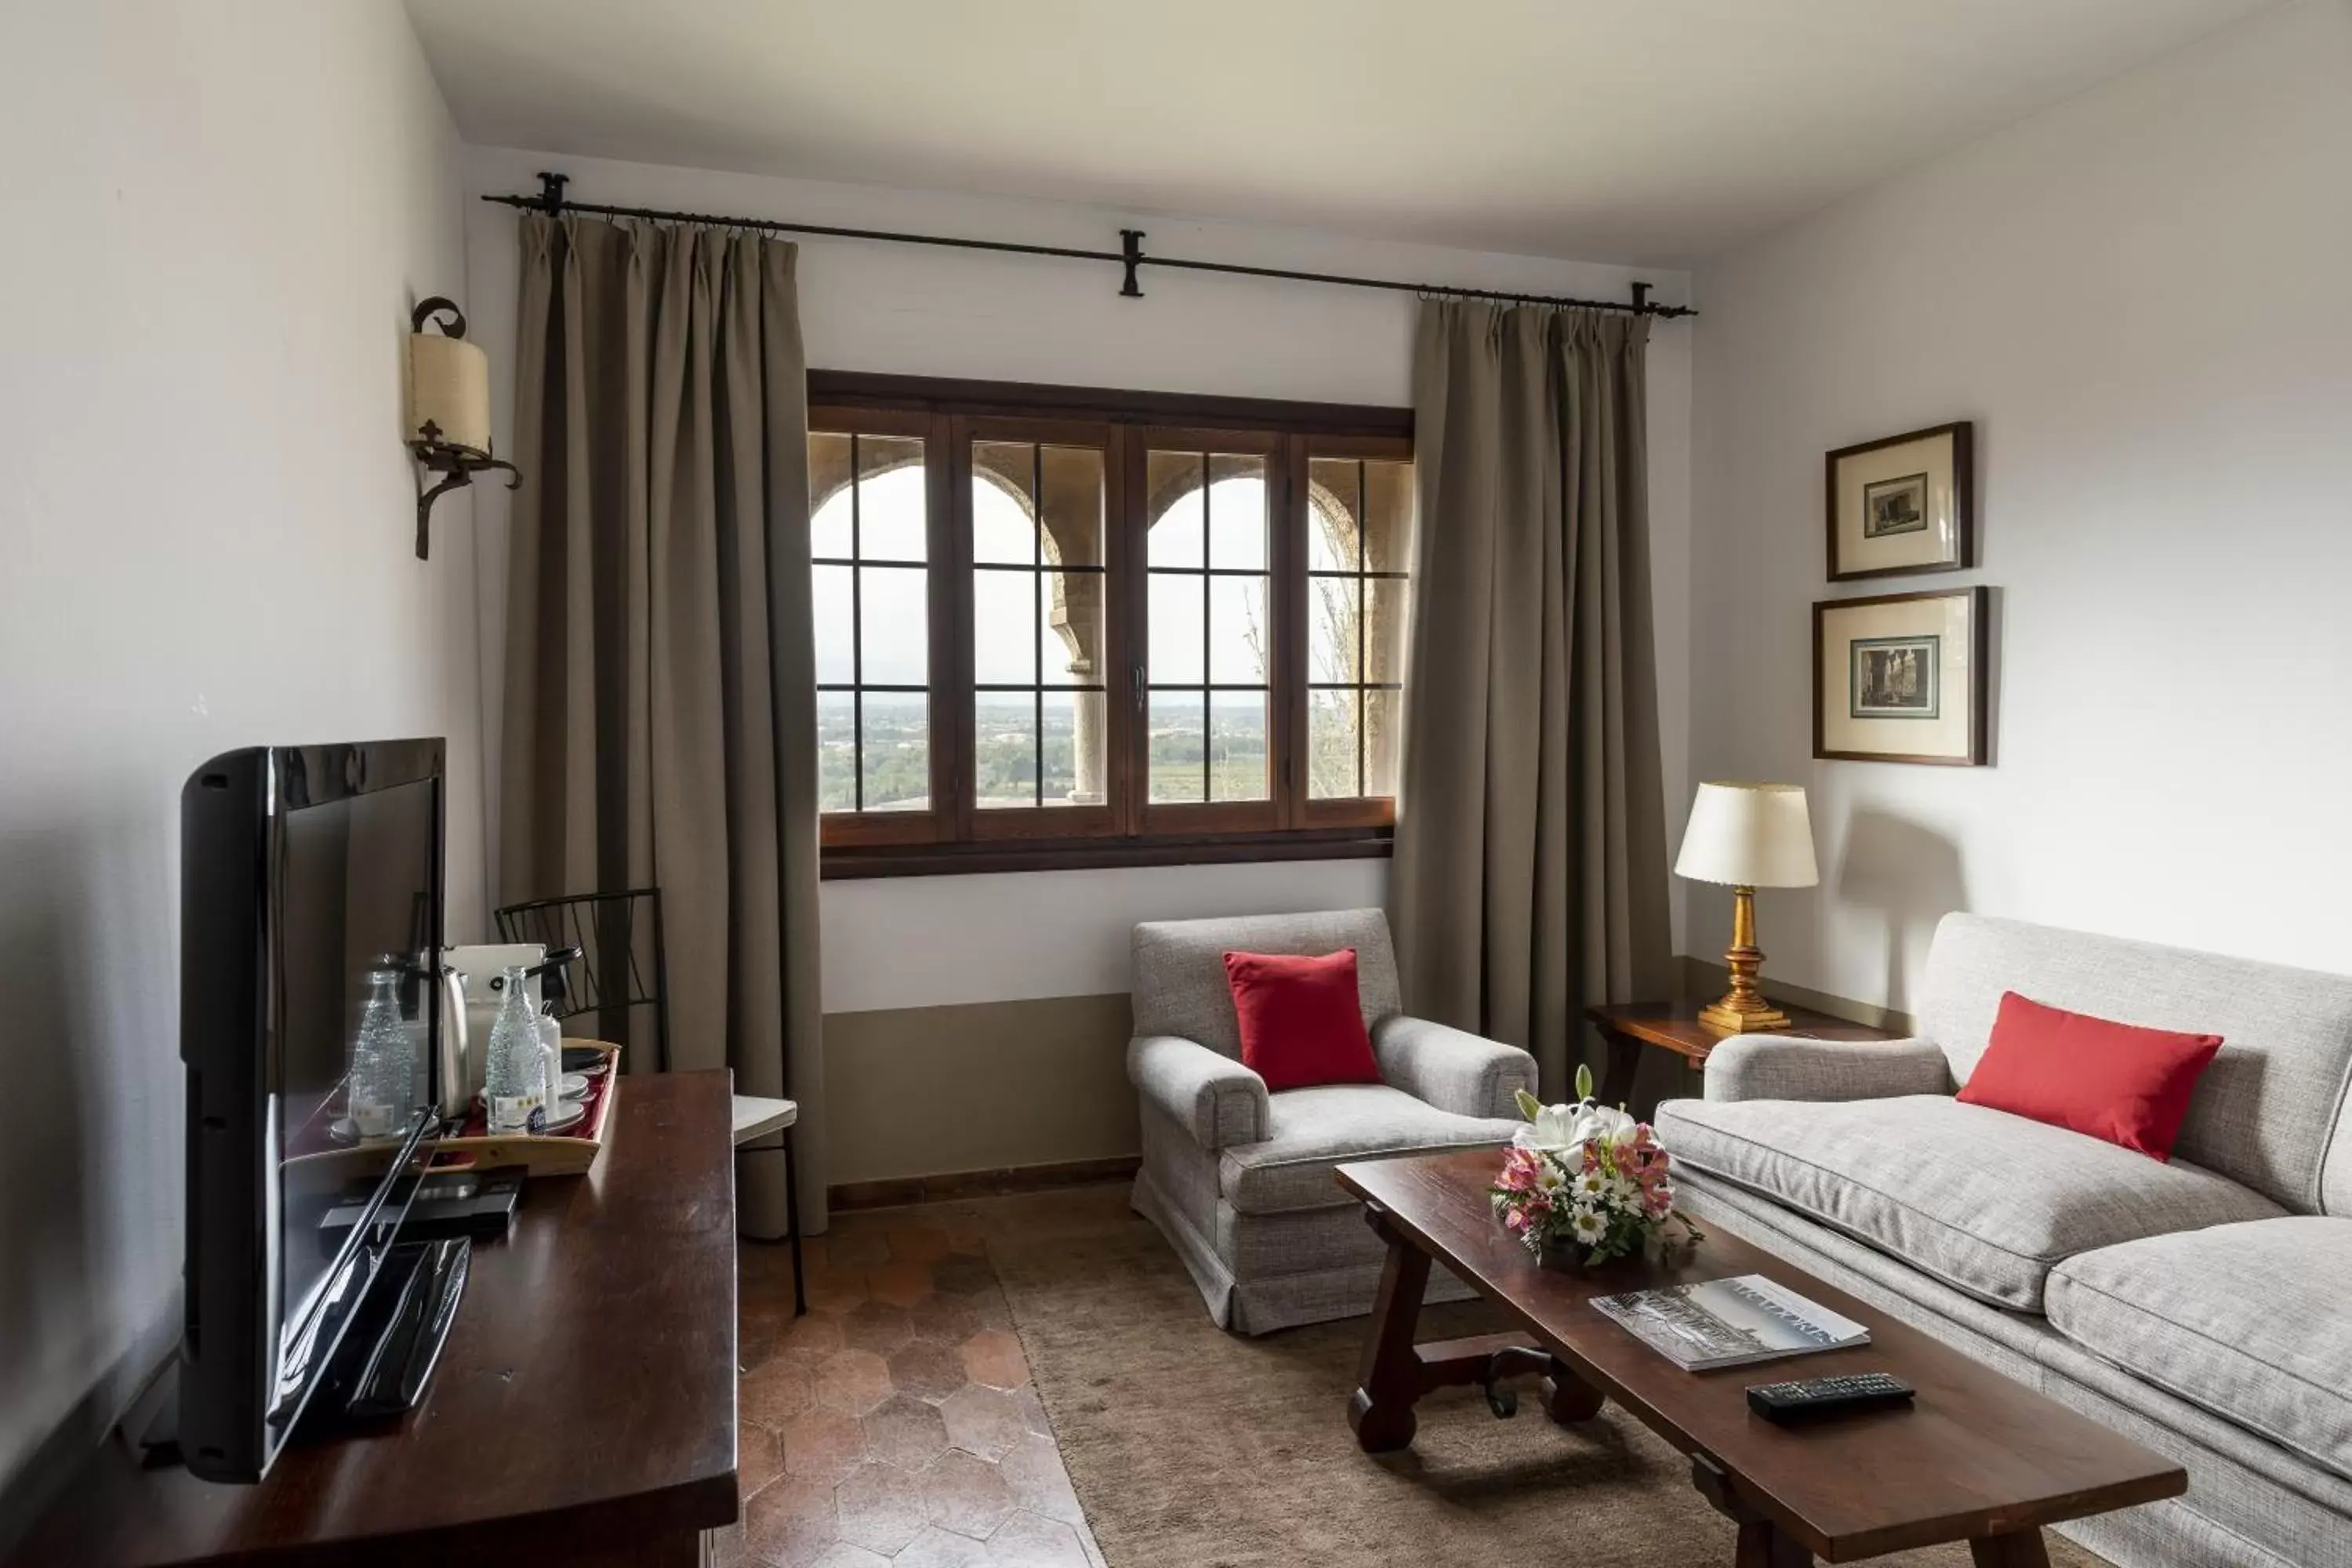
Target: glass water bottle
383	1064
514	1086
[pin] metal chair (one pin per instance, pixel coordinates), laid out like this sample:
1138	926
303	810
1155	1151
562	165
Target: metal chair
623	968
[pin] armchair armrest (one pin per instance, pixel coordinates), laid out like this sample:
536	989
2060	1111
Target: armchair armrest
1778	1067
1212	1097
1450	1069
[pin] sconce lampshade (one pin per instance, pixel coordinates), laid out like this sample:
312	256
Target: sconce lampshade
449	389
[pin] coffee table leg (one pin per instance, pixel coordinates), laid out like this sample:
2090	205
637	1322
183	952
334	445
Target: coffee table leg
1380	1410
1761	1545
1624	1061
2019	1548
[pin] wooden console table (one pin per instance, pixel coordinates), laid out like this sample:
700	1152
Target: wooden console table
1628	1027
583	1411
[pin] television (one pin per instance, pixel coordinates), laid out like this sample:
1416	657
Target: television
306	873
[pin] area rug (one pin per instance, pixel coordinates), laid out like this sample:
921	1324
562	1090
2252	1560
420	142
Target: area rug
1190	1447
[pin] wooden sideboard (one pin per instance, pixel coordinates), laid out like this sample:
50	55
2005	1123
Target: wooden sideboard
583	1411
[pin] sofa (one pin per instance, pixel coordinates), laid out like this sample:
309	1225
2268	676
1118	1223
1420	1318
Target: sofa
2202	1307
1239	1180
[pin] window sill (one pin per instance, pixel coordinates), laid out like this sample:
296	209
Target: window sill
847	862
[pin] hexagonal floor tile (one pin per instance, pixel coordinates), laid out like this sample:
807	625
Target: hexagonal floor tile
902	1282
993	1357
775	1393
823	1445
963	1276
927	1369
949	1319
962	1493
853	1381
937	1548
759	1458
880	1506
1033	1470
918	1239
841	1555
905	1431
809	1341
1026	1541
982	1421
875	1326
789	1522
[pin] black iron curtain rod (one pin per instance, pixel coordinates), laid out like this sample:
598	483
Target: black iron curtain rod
1130	255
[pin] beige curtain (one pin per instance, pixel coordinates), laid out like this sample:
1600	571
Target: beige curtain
1530	872
660	723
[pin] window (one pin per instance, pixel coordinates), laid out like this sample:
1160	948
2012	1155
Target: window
1065	627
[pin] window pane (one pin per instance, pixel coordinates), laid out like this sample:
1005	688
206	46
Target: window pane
1383	740
1239	637
1172	484
828	494
1174	614
836	752
1003	481
1073	506
1004	748
1177	740
1388	517
1237	514
1237	746
1332	745
1332	509
891	498
1332	605
894	626
898	752
1388	604
1070	641
835	616
1005	627
1074	748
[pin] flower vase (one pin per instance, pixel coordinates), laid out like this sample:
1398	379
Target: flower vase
1567	1256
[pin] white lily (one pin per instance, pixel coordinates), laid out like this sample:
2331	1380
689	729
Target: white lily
1552	1129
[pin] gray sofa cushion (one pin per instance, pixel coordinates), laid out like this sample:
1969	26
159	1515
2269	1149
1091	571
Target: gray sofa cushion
1180	987
2249	1321
1315	1128
1984	1201
2264	1110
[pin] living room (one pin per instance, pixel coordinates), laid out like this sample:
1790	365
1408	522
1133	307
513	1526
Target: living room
1476	443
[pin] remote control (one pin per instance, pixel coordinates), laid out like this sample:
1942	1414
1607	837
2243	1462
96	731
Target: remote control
1815	1397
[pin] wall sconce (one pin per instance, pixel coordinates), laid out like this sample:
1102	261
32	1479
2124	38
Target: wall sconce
448	408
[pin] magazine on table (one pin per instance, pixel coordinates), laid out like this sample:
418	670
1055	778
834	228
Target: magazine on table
1730	1322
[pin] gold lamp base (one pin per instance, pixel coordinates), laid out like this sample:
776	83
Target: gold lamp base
1743	1009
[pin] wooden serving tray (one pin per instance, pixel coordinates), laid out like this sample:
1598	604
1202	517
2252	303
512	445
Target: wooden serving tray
566	1153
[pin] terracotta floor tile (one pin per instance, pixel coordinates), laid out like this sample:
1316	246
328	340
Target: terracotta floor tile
962	1493
853	1381
993	1357
982	1421
902	1282
841	1555
759	1458
949	1319
775	1393
809	1341
856	1241
989	1307
875	1326
789	1523
880	1506
1032	1469
1093	1548
1033	1411
905	1431
937	1548
963	1276
823	1446
726	1546
918	1238
836	1288
927	1369
1026	1541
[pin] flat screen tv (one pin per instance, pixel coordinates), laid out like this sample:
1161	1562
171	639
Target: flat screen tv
304	871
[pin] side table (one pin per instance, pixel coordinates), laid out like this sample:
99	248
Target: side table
1628	1027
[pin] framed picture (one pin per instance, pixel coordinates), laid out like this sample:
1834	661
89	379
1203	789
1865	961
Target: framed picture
1901	677
1904	504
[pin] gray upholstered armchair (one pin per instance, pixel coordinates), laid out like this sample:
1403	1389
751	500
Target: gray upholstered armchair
1240	1180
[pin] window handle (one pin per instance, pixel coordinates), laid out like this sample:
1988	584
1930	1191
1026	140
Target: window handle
1142	692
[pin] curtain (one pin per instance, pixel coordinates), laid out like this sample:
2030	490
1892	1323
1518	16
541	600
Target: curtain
660	725
1530	878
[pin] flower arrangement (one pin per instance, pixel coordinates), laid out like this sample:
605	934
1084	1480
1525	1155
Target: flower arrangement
1585	1181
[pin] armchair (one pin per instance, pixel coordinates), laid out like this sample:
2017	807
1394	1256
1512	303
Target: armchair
1239	1180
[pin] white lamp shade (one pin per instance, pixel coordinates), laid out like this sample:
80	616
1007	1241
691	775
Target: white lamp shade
1749	836
448	387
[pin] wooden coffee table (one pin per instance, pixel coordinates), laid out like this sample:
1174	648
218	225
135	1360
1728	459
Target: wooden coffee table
1977	1457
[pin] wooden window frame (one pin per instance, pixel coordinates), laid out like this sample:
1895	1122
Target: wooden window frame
1127	829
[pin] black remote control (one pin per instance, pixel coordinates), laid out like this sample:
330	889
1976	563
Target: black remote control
1789	1402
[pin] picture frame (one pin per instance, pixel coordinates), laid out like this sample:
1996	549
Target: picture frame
1902	504
1902	677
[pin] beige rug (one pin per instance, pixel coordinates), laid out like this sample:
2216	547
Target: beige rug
1190	1447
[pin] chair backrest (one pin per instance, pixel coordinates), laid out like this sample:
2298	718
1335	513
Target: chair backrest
1180	987
2264	1112
623	972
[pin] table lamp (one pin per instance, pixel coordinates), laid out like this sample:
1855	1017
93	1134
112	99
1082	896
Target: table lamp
1748	836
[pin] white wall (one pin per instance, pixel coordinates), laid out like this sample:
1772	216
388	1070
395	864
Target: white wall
2141	299
916	310
220	216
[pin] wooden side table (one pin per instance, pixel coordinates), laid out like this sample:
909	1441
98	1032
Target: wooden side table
1627	1027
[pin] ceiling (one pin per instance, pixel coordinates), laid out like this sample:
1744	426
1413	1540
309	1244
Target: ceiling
1657	132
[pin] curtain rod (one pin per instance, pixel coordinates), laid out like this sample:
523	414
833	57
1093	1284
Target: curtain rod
551	201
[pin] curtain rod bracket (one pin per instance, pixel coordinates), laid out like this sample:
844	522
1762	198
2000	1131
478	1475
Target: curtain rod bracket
551	192
1131	252
1642	297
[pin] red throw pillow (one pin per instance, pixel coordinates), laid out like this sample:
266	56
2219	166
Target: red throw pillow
1301	1021
2121	1082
